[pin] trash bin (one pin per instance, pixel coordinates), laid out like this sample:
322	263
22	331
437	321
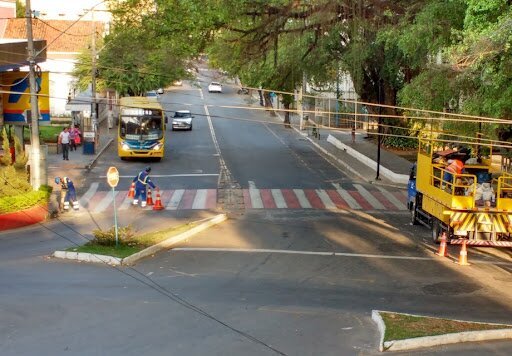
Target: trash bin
88	148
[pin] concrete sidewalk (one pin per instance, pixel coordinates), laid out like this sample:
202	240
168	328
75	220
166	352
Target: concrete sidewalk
79	163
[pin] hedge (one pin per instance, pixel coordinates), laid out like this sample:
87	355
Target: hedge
25	201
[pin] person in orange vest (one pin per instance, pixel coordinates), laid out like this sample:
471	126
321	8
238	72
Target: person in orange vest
455	166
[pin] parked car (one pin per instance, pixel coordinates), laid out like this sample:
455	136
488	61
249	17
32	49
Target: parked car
152	94
214	87
160	91
182	120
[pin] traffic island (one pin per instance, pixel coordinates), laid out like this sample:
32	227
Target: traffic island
399	332
139	247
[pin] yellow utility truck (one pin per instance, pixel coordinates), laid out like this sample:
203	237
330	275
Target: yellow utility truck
474	205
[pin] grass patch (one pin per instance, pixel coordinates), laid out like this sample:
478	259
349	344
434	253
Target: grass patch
133	244
402	326
47	134
26	200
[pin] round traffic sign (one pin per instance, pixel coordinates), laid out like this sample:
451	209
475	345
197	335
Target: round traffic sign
113	177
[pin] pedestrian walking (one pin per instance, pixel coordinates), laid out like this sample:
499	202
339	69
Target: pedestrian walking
72	136
64	142
141	181
67	193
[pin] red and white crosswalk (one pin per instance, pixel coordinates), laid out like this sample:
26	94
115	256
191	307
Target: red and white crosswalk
359	198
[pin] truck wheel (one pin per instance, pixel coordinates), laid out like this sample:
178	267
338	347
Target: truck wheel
436	231
414	215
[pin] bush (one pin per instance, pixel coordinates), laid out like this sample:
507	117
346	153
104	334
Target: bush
24	201
108	237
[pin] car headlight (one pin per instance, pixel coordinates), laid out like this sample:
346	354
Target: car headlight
125	147
157	147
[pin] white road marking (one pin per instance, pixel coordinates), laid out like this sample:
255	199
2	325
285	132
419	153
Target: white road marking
89	194
392	199
326	200
105	202
201	93
175	200
256	201
301	197
278	198
347	197
369	197
174	175
295	252
200	199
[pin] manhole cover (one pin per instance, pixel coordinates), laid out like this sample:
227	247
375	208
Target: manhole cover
450	288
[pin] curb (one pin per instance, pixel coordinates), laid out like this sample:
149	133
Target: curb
166	244
436	340
91	162
399	178
130	260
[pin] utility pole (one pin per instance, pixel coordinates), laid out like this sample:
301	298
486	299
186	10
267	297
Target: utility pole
379	129
35	154
94	114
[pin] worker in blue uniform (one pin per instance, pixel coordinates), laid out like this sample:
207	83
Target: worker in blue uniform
141	181
67	193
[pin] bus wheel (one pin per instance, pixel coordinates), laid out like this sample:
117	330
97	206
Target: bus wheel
436	231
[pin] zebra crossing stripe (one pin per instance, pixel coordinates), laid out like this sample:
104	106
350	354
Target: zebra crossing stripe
291	200
326	200
256	201
369	198
279	198
105	202
304	202
175	199
399	205
86	198
200	199
126	201
347	197
267	199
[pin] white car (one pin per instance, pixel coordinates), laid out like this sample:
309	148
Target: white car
182	120
160	90
152	95
214	87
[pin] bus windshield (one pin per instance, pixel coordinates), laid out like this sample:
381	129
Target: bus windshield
148	126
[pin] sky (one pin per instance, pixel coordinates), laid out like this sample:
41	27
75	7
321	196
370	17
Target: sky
68	7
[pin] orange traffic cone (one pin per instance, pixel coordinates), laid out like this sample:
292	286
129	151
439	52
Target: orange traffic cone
463	255
158	204
149	199
131	192
442	246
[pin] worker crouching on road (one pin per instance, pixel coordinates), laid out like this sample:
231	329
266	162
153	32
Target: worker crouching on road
141	181
67	193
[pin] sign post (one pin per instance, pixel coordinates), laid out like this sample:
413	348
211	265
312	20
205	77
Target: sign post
113	180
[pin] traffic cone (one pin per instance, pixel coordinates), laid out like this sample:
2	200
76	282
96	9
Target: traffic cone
149	199
158	204
442	246
131	192
463	255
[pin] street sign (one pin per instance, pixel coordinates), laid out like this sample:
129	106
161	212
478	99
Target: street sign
112	177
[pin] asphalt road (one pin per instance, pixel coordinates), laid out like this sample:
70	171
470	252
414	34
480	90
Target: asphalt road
268	281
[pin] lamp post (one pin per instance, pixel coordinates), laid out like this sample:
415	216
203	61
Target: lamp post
379	130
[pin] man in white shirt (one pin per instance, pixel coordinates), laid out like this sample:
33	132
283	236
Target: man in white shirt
64	142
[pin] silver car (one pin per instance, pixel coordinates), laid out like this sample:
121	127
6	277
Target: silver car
182	120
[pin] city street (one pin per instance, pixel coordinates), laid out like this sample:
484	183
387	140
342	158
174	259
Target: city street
296	270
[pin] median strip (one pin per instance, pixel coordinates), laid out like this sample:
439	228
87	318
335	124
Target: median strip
128	254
